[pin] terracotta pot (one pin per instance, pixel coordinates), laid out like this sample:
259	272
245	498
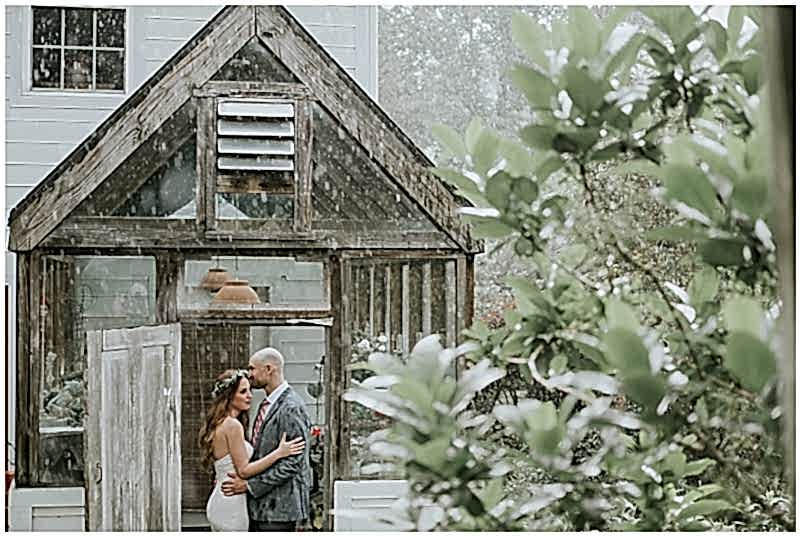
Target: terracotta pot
9	480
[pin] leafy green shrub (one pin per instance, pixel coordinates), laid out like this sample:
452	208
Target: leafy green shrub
671	369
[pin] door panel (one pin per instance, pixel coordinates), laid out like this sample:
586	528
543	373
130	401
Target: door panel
133	429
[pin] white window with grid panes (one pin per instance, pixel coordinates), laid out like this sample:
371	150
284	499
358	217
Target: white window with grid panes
78	49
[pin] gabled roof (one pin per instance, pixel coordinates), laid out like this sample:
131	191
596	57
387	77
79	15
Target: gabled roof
150	106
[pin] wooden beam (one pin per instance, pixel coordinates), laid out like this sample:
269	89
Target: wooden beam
157	233
304	133
426	299
265	313
361	118
224	88
24	390
118	137
169	266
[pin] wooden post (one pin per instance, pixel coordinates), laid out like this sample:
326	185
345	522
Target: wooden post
406	317
206	163
387	319
426	299
303	166
337	437
372	301
450	301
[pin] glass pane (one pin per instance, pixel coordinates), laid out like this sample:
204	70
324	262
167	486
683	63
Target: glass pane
243	206
78	26
111	28
77	69
46	67
170	192
46	26
303	349
110	70
280	282
79	294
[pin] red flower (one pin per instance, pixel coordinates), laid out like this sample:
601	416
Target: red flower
316	431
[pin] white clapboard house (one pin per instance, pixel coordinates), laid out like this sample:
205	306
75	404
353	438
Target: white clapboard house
148	148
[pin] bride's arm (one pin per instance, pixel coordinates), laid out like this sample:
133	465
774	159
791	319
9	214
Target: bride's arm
234	434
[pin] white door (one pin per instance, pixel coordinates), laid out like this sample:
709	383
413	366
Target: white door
132	440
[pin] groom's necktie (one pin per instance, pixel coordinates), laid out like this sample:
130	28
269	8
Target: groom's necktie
262	414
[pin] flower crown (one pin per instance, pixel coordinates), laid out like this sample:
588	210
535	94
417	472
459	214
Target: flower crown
220	386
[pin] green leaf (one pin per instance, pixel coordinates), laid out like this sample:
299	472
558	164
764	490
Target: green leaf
735	21
723	252
498	190
586	92
584	32
450	140
626	351
623	59
644	388
704	286
704	508
464	184
749	360
698	467
744	314
539	136
519	161
621	315
717	39
558	364
524	288
751	197
676	233
526	189
691	186
612	20
474	130
484	152
548	166
675	462
536	86
530	37
491	495
675	21
751	72
491	228
543	431
433	454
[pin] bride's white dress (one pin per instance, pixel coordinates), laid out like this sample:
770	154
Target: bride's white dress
227	513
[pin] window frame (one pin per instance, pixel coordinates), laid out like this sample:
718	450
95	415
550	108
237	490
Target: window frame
30	89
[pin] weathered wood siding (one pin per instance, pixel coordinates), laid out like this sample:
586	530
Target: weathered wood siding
43	127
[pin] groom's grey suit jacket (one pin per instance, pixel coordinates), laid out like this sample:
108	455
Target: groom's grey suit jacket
281	493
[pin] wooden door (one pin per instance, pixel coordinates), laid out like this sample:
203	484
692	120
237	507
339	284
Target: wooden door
133	461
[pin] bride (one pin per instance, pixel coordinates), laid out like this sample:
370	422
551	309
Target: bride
222	442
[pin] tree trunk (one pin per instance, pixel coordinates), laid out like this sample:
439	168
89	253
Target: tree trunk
779	28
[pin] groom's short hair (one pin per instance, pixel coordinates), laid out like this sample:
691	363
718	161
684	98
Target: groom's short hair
269	355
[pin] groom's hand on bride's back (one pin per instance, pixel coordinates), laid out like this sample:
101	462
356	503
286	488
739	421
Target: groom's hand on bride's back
234	486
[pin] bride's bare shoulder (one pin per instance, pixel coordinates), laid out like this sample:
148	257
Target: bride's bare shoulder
231	425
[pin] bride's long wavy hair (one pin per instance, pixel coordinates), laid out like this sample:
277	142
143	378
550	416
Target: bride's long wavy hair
225	388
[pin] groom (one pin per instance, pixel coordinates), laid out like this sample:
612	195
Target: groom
278	498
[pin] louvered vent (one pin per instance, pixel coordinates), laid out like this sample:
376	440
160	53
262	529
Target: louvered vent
255	136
